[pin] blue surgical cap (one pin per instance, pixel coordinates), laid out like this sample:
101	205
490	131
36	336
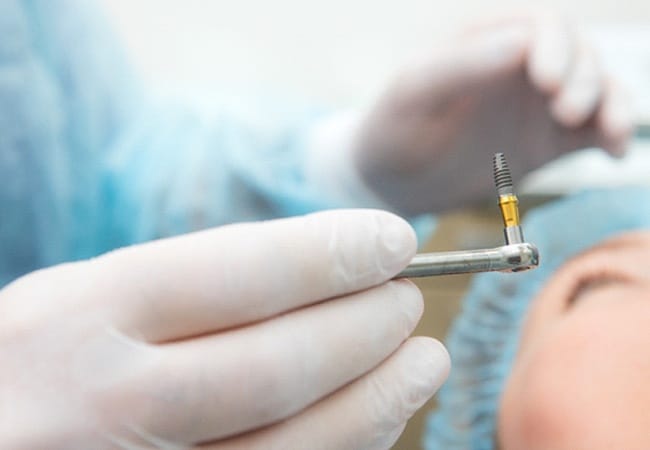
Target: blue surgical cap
484	338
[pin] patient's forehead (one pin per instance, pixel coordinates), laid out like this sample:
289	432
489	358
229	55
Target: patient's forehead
625	244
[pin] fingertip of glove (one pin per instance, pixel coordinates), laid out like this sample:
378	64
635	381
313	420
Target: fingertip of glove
397	241
616	133
425	367
569	115
432	360
409	297
547	79
365	247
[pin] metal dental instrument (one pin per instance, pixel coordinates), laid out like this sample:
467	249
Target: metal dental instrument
516	256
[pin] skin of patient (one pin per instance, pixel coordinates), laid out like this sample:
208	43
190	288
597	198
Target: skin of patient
581	378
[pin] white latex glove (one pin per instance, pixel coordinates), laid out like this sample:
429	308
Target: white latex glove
527	85
274	335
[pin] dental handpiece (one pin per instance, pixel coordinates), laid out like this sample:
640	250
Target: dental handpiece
515	256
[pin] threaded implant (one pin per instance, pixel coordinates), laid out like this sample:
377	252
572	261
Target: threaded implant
502	176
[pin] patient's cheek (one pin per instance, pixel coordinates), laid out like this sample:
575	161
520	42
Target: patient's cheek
582	384
536	411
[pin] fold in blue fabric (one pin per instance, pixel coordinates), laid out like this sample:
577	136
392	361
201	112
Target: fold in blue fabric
90	162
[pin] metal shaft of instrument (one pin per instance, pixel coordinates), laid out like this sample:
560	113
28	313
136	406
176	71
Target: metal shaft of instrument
508	258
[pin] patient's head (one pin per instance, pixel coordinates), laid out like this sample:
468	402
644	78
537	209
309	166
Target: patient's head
557	357
581	377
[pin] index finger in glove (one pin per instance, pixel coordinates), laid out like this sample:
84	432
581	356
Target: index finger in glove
229	276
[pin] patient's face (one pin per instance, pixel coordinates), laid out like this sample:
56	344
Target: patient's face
581	379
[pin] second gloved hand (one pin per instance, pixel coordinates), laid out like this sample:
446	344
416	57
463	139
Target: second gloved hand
526	85
282	334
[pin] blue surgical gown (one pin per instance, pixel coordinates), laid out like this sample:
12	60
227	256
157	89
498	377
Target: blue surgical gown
90	162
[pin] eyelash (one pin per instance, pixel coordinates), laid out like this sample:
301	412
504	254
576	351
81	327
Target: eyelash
592	281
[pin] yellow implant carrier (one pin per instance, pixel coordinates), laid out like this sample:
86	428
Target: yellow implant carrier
508	202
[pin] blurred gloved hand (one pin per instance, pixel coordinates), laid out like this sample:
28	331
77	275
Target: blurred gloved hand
282	334
527	85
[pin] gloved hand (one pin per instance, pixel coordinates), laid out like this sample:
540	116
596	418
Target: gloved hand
527	85
281	334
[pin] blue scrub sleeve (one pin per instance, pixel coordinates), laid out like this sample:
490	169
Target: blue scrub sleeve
90	162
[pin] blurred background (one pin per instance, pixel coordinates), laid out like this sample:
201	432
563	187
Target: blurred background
340	53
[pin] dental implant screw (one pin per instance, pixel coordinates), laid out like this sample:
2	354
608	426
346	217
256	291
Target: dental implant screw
508	202
502	176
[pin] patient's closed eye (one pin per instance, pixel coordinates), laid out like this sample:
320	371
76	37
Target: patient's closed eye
592	282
